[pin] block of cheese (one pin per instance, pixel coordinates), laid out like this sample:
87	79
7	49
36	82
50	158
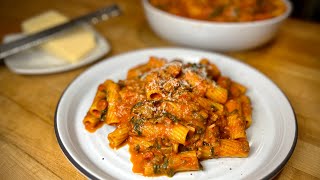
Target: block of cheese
71	45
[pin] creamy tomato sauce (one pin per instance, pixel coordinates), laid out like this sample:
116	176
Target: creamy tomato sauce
223	10
172	115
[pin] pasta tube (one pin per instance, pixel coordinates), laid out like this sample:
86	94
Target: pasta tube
212	69
153	130
153	62
236	126
205	152
99	102
90	122
140	143
234	105
179	133
113	97
118	136
237	89
184	161
198	84
210	105
246	109
232	148
217	94
153	90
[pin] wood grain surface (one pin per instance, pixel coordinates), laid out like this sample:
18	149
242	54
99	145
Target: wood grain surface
28	146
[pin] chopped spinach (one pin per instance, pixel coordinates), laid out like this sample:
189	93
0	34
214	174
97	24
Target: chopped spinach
214	108
137	124
170	172
103	115
199	130
216	12
138	104
212	151
171	116
156	169
165	164
137	148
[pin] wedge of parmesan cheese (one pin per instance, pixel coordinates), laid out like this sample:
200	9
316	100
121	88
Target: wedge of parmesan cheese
71	45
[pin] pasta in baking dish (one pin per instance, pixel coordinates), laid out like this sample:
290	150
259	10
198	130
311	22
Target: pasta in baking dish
223	10
172	115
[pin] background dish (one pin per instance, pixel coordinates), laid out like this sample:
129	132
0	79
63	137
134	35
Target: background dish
36	61
272	136
218	36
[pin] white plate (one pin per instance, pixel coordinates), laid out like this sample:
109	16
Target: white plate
272	136
36	61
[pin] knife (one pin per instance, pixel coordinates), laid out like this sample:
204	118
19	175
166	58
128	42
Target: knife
35	39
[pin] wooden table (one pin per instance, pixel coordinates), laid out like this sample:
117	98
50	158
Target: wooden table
28	146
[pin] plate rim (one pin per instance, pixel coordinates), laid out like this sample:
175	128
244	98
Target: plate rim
82	170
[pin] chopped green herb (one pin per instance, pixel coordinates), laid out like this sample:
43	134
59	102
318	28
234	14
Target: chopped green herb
205	143
212	151
137	124
260	3
136	127
216	12
199	130
165	164
121	84
214	108
138	104
170	172
137	148
103	115
172	117
156	169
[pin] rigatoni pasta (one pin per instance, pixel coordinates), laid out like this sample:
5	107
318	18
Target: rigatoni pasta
223	10
112	91
172	115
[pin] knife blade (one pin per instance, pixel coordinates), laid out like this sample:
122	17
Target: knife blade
35	39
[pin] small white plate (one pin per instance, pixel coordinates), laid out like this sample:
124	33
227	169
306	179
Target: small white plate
36	61
272	135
